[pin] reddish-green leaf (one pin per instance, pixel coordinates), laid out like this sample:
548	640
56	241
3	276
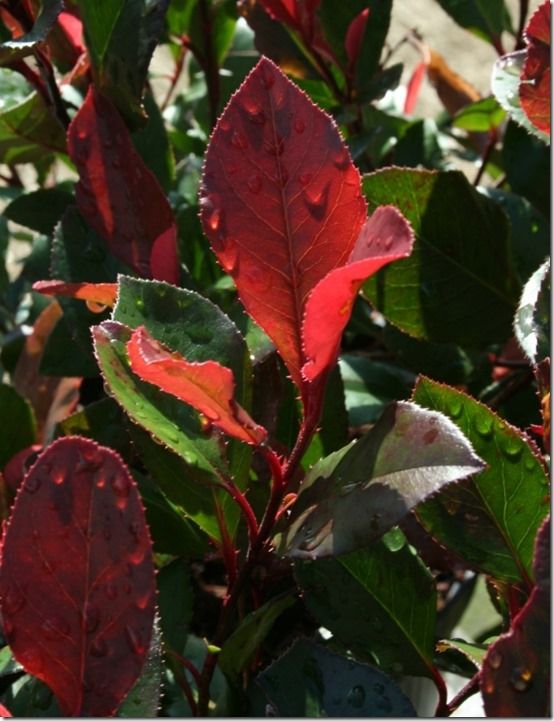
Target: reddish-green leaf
281	202
118	195
208	386
77	587
534	88
516	670
101	294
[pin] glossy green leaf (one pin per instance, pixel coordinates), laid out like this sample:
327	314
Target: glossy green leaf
461	260
18	423
143	700
175	599
47	15
532	321
191	18
526	161
152	144
487	19
39	210
242	644
355	495
490	520
389	592
102	421
473	652
311	681
480	117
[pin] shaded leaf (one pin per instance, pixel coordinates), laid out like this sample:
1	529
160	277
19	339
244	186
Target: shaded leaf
26	44
389	592
534	89
113	185
355	495
18	424
70	622
39	210
516	678
309	680
526	160
175	598
531	324
461	260
491	520
487	19
143	700
209	387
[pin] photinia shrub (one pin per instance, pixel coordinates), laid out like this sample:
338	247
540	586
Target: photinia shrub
275	386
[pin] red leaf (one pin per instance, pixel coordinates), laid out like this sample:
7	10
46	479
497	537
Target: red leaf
515	678
534	89
96	294
118	195
414	87
77	587
4	713
354	37
73	30
281	202
208	386
386	236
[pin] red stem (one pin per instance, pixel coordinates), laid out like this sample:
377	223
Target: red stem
191	668
442	705
245	507
471	687
185	686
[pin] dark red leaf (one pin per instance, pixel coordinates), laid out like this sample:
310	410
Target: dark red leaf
16	468
118	195
354	37
386	236
208	386
534	89
281	202
284	11
515	678
97	295
77	587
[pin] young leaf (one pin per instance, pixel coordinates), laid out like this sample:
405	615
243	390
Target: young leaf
26	44
533	315
208	386
77	587
515	679
534	89
355	495
95	294
113	185
273	148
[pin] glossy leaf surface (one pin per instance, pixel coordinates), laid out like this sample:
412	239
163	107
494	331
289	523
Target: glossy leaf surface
102	294
535	82
311	681
114	184
516	670
273	149
77	579
209	387
355	495
389	592
460	261
491	520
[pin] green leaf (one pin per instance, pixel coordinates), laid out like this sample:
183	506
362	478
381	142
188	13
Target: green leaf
241	646
121	36
526	161
490	520
487	19
505	86
389	593
26	44
39	210
143	700
480	117
311	681
473	652
8	664
461	260
28	130
532	321
355	495
152	143
175	599
18	424
103	421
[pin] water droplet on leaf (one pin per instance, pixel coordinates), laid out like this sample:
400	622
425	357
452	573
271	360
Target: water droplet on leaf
299	125
484	426
98	648
239	140
356	696
521	679
255	183
33	483
495	659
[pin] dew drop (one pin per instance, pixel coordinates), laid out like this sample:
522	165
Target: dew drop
98	648
239	140
95	307
389	242
489	686
139	304
137	556
214	219
92	617
100	480
33	483
110	590
521	679
511	447
356	696
340	158
379	688
255	183
299	125
495	659
135	641
268	78
484	426
316	202
120	486
58	476
143	601
530	463
456	408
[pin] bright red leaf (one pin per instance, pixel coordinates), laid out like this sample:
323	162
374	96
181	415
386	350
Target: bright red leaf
208	386
281	202
534	89
77	587
99	294
118	195
4	713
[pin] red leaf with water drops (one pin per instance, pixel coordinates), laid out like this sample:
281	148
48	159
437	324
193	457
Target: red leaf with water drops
280	202
95	294
77	587
118	195
515	678
387	236
534	88
208	386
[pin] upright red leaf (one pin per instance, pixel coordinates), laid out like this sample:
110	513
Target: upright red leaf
77	587
354	38
208	386
281	202
118	195
534	89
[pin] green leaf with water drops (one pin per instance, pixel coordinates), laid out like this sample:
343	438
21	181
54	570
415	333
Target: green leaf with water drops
389	592
143	700
532	321
491	519
309	680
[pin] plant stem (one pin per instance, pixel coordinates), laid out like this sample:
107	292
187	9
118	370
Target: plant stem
493	137
245	507
442	705
185	686
54	96
523	11
191	668
471	688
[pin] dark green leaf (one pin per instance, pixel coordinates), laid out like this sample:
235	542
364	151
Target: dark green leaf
26	44
490	520
18	424
8	664
532	321
143	700
460	261
527	164
175	598
39	210
485	18
389	593
103	421
28	697
311	681
68	349
473	652
28	130
355	495
419	146
479	117
152	144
